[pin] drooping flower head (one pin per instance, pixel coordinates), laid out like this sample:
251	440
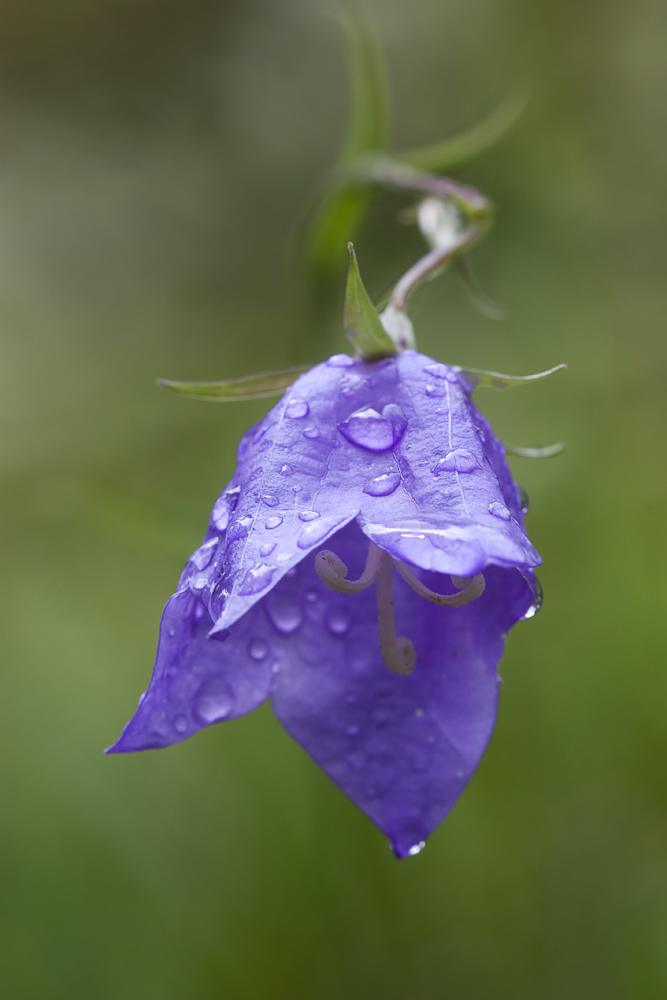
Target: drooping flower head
362	570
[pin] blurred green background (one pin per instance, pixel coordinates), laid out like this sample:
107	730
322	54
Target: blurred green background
157	163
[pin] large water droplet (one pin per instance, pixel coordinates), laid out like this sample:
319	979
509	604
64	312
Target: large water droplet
270	500
285	613
525	501
382	486
202	557
416	848
338	621
311	433
267	549
274	522
239	529
441	371
537	603
374	431
296	409
459	460
340	361
256	579
309	515
313	533
224	507
350	383
215	702
257	649
500	510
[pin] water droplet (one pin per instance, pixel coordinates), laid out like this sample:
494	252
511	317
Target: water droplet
285	613
239	529
374	431
214	703
311	433
459	460
199	582
352	730
441	371
199	612
435	390
224	507
309	515
499	510
382	486
257	649
338	621
350	383
283	557
340	361
256	579
180	724
274	522
202	557
537	603
525	501
270	500
417	848
297	489
267	549
287	470
312	596
313	533
296	409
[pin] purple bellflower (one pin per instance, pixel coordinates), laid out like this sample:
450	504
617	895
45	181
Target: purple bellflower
364	473
364	565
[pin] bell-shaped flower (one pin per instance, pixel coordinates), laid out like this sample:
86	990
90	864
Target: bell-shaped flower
362	570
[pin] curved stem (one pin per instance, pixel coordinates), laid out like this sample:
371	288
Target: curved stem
332	571
397	653
473	588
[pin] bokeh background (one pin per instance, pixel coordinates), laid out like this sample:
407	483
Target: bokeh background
158	159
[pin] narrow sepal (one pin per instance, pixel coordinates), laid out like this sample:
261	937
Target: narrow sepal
464	147
477	376
549	451
360	318
246	387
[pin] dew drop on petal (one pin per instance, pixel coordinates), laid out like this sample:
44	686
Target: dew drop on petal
202	557
438	370
270	500
283	557
285	613
313	533
311	433
215	702
374	431
435	390
459	460
199	582
239	529
180	724
274	522
340	361
256	579
257	649
499	510
287	470
199	613
296	409
267	549
417	848
525	501
338	621
537	603
309	515
382	486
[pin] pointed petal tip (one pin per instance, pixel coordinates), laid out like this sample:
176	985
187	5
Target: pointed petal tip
402	850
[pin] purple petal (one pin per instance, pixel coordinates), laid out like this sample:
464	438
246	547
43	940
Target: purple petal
402	748
198	681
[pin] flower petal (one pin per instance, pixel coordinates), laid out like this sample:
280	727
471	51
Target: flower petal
198	681
401	747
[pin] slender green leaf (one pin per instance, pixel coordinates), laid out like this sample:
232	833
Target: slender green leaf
247	387
497	381
360	318
369	91
550	451
464	147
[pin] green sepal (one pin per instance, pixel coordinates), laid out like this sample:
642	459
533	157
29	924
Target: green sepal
246	387
360	319
550	451
497	381
451	152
